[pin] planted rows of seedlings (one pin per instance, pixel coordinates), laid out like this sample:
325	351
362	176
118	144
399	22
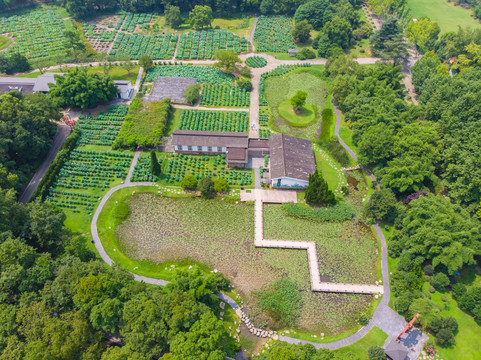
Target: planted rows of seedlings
264	132
256	61
205	44
84	171
180	165
93	31
132	20
103	128
274	33
224	95
37	34
203	74
278	71
142	171
135	46
235	121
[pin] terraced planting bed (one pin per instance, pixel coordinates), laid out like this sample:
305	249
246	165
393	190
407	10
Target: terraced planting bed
86	174
176	166
36	34
220	234
224	95
236	121
205	44
274	34
256	61
103	128
203	74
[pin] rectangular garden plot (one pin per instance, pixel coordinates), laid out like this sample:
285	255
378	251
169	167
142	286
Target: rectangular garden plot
203	74
84	175
134	46
103	128
232	121
274	34
224	95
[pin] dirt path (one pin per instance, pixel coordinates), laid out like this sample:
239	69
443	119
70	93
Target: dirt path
62	134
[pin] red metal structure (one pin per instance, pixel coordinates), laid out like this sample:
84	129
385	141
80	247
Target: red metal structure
408	326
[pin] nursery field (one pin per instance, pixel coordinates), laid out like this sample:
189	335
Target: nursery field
256	61
220	234
36	34
203	120
204	74
447	15
279	89
103	128
204	44
224	95
273	34
134	46
176	166
264	116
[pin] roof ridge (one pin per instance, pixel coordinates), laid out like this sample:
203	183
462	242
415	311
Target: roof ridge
283	155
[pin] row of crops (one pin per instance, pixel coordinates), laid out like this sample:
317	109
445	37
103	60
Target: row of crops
38	33
142	171
256	61
201	120
224	95
278	71
84	171
203	74
103	128
135	46
274	33
180	165
264	132
132	20
94	32
205	44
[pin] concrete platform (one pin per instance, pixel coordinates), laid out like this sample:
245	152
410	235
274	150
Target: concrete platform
269	196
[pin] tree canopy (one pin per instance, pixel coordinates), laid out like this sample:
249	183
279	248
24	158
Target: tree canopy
200	17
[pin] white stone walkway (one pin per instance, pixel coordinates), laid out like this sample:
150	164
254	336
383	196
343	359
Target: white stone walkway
310	246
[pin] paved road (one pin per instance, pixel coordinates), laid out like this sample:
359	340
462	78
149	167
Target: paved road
62	134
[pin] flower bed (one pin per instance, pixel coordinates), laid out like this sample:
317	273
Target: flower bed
103	128
83	172
224	95
256	61
37	34
203	74
179	165
237	121
274	33
205	44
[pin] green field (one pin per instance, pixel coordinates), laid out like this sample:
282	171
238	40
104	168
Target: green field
305	116
279	89
448	16
5	41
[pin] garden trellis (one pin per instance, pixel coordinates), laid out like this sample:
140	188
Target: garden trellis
224	95
103	128
274	33
203	120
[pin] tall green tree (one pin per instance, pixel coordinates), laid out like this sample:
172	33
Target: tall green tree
154	164
146	62
299	100
423	32
200	17
318	192
172	16
302	31
227	60
388	42
315	12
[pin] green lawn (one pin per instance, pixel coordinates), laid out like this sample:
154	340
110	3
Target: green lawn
375	337
345	133
5	41
305	116
448	16
173	122
279	89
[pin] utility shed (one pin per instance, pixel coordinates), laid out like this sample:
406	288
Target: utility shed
292	161
396	351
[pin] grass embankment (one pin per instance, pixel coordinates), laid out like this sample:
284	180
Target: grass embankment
302	118
375	337
447	15
5	42
279	89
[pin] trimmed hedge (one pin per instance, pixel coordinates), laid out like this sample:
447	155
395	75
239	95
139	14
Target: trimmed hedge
339	212
56	165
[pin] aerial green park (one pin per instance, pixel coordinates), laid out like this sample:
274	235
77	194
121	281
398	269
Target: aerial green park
252	180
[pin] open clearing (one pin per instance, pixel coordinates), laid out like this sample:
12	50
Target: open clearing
448	16
279	89
221	235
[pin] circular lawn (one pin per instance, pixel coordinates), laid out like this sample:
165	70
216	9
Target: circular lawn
303	117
